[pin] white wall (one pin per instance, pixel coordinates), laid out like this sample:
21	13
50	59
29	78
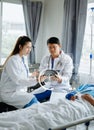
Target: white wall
90	1
51	25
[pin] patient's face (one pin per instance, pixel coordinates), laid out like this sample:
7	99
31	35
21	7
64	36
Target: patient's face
54	50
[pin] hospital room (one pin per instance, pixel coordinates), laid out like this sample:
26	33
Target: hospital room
46	64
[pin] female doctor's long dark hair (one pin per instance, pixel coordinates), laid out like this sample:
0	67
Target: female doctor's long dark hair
21	41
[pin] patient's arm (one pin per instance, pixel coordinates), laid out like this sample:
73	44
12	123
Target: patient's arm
89	98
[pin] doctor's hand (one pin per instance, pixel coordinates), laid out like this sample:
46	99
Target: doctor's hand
57	78
35	74
42	78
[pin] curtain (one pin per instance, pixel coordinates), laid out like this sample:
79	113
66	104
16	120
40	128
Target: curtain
32	14
74	26
0	29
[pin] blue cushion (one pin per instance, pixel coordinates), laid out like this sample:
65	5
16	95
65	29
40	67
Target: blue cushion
69	95
34	100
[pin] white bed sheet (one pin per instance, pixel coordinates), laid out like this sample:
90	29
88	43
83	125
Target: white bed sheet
57	111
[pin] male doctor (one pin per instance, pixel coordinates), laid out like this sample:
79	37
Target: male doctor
59	61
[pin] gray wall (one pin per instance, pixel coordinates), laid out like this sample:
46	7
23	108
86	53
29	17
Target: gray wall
51	25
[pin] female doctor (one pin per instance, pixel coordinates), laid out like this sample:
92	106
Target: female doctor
59	61
16	77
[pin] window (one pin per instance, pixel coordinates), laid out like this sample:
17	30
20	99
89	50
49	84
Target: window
13	26
87	64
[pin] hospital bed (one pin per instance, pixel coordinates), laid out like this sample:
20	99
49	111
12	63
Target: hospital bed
49	115
56	114
86	121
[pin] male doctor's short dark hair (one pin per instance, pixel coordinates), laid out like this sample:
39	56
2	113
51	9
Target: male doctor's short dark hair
53	40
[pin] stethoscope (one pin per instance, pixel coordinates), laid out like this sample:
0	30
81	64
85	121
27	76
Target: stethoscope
59	63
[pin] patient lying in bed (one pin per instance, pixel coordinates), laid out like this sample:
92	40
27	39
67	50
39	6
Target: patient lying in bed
84	91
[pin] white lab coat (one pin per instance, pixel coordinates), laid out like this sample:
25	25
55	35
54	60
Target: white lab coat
64	64
14	83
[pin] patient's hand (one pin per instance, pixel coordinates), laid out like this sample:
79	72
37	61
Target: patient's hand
73	98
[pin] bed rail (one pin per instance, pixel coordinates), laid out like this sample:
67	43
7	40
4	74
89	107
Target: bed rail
85	120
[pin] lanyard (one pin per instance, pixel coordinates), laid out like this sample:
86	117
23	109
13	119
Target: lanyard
25	66
52	63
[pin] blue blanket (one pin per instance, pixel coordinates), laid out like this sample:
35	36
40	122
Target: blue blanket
83	89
